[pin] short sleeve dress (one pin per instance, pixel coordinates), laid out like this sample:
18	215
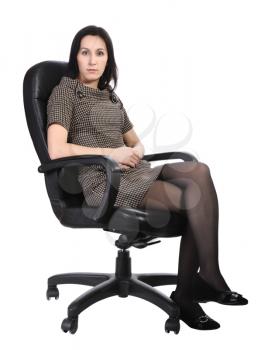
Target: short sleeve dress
97	118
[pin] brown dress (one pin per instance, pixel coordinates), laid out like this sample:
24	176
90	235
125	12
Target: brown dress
95	118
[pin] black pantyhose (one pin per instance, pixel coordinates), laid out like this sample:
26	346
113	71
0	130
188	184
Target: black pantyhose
188	188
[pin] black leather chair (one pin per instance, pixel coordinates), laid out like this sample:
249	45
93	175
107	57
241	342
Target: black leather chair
136	227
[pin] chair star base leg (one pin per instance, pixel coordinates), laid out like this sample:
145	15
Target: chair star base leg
122	283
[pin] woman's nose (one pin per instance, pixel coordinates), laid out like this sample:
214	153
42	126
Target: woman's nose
92	59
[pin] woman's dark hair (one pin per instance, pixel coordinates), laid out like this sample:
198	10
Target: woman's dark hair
111	70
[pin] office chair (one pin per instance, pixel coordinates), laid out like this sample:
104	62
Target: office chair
136	227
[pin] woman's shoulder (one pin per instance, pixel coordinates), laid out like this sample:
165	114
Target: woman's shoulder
64	88
67	85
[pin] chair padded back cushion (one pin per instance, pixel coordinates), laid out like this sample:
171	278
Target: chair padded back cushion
38	84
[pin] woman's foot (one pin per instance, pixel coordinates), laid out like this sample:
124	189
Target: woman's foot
192	314
203	292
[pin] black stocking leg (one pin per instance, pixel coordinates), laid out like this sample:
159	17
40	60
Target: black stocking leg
163	194
201	207
188	263
188	267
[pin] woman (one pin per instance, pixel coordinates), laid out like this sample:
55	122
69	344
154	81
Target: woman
85	116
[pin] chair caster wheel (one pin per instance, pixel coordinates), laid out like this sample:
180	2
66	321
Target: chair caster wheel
52	292
70	324
172	324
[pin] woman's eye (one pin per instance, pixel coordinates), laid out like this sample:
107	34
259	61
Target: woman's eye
100	53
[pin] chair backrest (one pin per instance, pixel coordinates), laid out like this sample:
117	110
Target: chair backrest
38	83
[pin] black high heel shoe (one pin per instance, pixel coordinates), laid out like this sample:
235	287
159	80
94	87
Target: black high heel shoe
203	293
201	321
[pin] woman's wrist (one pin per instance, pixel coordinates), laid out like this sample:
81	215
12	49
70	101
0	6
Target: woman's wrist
140	150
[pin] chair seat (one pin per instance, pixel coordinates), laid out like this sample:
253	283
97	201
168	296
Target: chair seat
124	220
153	222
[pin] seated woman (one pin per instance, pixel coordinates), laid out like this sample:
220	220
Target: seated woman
85	116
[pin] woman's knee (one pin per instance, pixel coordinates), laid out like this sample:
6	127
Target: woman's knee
202	169
184	172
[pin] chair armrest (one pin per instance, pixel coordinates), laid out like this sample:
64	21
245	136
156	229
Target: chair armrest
170	155
113	174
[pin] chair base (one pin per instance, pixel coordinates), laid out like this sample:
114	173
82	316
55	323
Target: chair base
122	283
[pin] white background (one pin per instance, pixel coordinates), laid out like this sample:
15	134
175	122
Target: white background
191	63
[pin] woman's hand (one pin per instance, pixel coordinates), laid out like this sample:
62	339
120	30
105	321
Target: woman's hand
126	157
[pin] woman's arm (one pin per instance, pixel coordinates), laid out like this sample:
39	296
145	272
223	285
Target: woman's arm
131	139
58	146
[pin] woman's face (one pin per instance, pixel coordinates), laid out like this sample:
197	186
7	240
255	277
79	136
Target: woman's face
91	58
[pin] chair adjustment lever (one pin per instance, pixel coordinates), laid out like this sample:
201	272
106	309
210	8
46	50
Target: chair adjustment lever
144	244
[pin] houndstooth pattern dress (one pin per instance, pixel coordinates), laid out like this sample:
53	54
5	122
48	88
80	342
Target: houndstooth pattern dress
97	118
